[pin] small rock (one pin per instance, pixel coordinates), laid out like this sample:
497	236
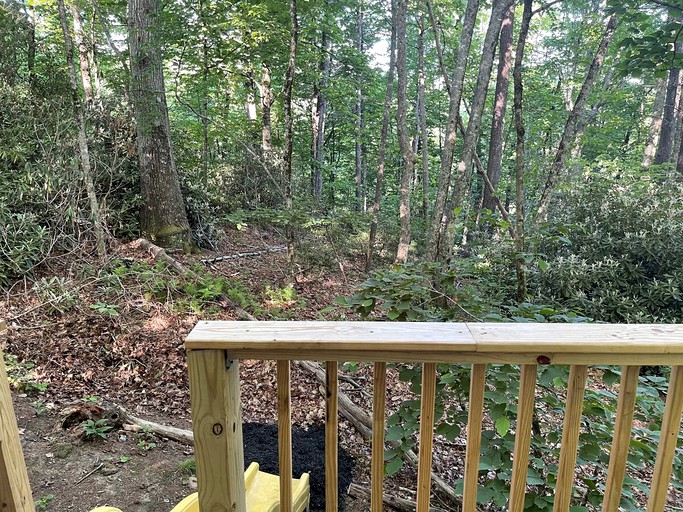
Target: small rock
192	483
62	451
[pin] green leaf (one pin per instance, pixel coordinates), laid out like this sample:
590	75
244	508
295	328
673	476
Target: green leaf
543	265
395	433
394	466
502	426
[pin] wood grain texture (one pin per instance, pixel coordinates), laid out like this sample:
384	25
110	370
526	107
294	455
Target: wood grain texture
217	426
284	434
378	415
525	414
424	467
331	436
671	424
570	437
622	438
446	342
15	490
474	423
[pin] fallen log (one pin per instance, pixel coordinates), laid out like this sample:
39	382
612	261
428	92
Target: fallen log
174	433
249	254
400	504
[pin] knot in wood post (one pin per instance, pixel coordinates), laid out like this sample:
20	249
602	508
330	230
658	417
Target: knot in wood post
217	429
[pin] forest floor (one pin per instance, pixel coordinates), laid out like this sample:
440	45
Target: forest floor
71	344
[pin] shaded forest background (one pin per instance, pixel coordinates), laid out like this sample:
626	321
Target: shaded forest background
513	159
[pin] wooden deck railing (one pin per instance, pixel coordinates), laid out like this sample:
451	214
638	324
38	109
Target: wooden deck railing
214	349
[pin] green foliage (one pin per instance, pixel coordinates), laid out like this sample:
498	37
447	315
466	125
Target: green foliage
622	257
43	503
22	376
96	429
188	466
58	294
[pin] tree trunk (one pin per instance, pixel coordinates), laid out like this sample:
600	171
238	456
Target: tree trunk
359	116
668	129
266	105
495	159
289	127
569	132
383	141
83	56
318	119
422	115
162	218
31	50
519	152
462	185
84	153
407	154
455	87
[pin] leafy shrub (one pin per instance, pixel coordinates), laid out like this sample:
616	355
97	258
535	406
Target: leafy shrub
622	258
23	243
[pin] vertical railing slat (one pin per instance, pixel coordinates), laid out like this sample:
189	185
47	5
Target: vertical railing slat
622	438
525	414
378	416
671	424
570	437
284	434
424	466
331	436
217	426
474	423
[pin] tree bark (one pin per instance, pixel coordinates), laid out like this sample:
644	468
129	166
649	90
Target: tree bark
266	105
464	178
84	153
455	86
83	56
407	154
162	218
289	126
569	132
519	151
359	116
382	141
422	115
668	128
495	159
318	119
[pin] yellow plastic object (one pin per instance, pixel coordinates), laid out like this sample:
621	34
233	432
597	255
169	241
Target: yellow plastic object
263	493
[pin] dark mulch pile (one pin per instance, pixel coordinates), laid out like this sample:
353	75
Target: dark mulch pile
308	456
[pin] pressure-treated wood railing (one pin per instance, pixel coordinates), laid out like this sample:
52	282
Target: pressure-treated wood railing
214	349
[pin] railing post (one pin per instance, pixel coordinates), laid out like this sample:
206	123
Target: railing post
378	415
525	415
15	491
474	424
331	436
217	426
284	434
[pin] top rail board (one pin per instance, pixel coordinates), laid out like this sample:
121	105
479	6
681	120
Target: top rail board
444	342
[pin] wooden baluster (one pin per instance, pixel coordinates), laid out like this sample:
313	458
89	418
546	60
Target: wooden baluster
331	436
525	414
15	491
424	466
378	416
671	424
474	422
217	426
284	434
570	437
622	438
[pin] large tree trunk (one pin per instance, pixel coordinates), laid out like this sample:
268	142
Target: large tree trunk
407	154
668	129
519	152
162	218
495	160
289	126
422	115
464	178
383	140
455	87
318	119
84	153
569	133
